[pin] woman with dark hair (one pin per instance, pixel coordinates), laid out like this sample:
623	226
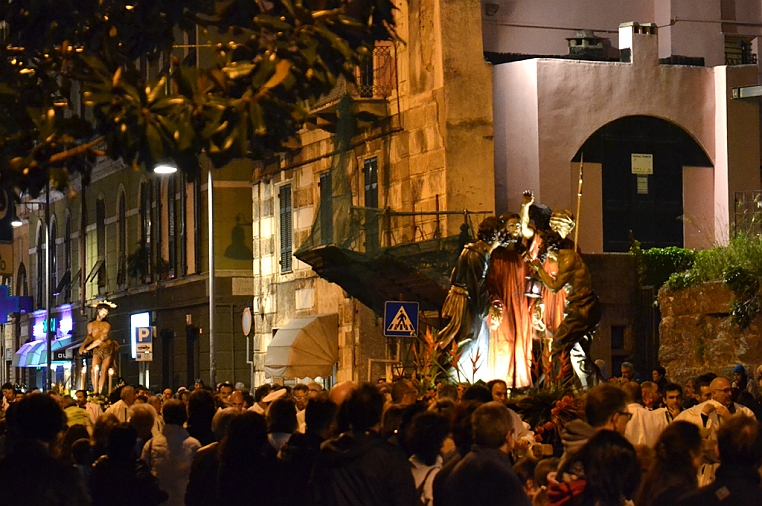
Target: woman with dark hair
247	463
424	439
607	471
673	473
201	409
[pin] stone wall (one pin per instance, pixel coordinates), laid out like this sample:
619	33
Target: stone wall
697	336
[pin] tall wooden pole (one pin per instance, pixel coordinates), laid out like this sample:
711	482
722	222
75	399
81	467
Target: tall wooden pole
579	201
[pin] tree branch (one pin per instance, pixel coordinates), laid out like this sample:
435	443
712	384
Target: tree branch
79	150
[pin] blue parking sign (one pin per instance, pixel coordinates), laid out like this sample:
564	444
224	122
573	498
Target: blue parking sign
400	319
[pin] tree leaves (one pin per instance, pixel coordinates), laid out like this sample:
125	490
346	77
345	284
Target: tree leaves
99	58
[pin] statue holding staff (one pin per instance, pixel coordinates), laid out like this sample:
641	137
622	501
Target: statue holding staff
582	312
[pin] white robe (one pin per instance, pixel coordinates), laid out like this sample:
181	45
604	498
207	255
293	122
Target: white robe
645	426
713	422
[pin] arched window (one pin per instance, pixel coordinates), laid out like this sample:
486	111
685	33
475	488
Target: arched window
100	231
146	243
22	289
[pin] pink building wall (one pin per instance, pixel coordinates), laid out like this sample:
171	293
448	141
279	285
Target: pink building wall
563	102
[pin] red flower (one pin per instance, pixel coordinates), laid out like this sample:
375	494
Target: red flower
538	438
539	429
549	426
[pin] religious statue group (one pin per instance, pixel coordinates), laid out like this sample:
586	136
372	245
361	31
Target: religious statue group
522	282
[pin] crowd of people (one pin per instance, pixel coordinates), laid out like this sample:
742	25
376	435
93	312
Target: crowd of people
649	443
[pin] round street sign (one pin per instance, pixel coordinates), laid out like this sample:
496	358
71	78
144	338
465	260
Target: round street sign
246	321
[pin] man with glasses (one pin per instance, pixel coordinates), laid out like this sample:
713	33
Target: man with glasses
711	414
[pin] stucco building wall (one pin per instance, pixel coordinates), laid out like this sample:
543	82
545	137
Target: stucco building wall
574	99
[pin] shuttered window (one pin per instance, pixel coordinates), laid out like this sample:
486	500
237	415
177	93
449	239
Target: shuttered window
326	209
286	228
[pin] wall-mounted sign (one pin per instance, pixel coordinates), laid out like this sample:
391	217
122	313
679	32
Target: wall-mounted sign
642	165
144	343
642	185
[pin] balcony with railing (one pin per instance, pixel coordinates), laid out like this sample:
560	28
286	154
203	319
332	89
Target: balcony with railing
375	83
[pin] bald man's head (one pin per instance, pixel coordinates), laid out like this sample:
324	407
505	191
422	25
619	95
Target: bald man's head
341	391
721	391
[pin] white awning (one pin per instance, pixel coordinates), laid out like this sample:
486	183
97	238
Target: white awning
306	347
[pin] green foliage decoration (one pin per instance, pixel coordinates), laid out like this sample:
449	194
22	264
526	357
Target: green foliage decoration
251	101
656	265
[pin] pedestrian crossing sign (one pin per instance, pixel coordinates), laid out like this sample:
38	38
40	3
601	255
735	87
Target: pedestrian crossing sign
400	319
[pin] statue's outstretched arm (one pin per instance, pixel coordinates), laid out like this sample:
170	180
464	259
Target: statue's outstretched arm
526	200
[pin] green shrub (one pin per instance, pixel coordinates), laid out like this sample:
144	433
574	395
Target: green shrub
656	265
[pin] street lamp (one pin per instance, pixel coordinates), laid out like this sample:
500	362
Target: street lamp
166	168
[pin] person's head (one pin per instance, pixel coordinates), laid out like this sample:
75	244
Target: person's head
299	393
679	447
758	376
39	417
8	392
261	392
633	391
673	396
444	407
320	416
606	407
18	395
721	391
425	436
492	426
81	397
562	222
364	407
739	443
404	393
121	442
391	420
281	416
201	407
128	395
657	373
225	390
499	390
142	417
739	374
651	395
175	412
314	389
155	402
102	311
447	391
102	428
221	422
199	383
462	429
489	230
690	388
166	394
612	469
628	371
511	230
236	400
703	390
478	392
247	435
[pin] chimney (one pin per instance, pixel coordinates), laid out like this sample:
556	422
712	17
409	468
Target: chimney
638	43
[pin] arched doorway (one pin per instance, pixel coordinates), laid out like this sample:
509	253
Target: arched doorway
642	159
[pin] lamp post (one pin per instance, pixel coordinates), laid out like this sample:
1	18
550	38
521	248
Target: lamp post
49	331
